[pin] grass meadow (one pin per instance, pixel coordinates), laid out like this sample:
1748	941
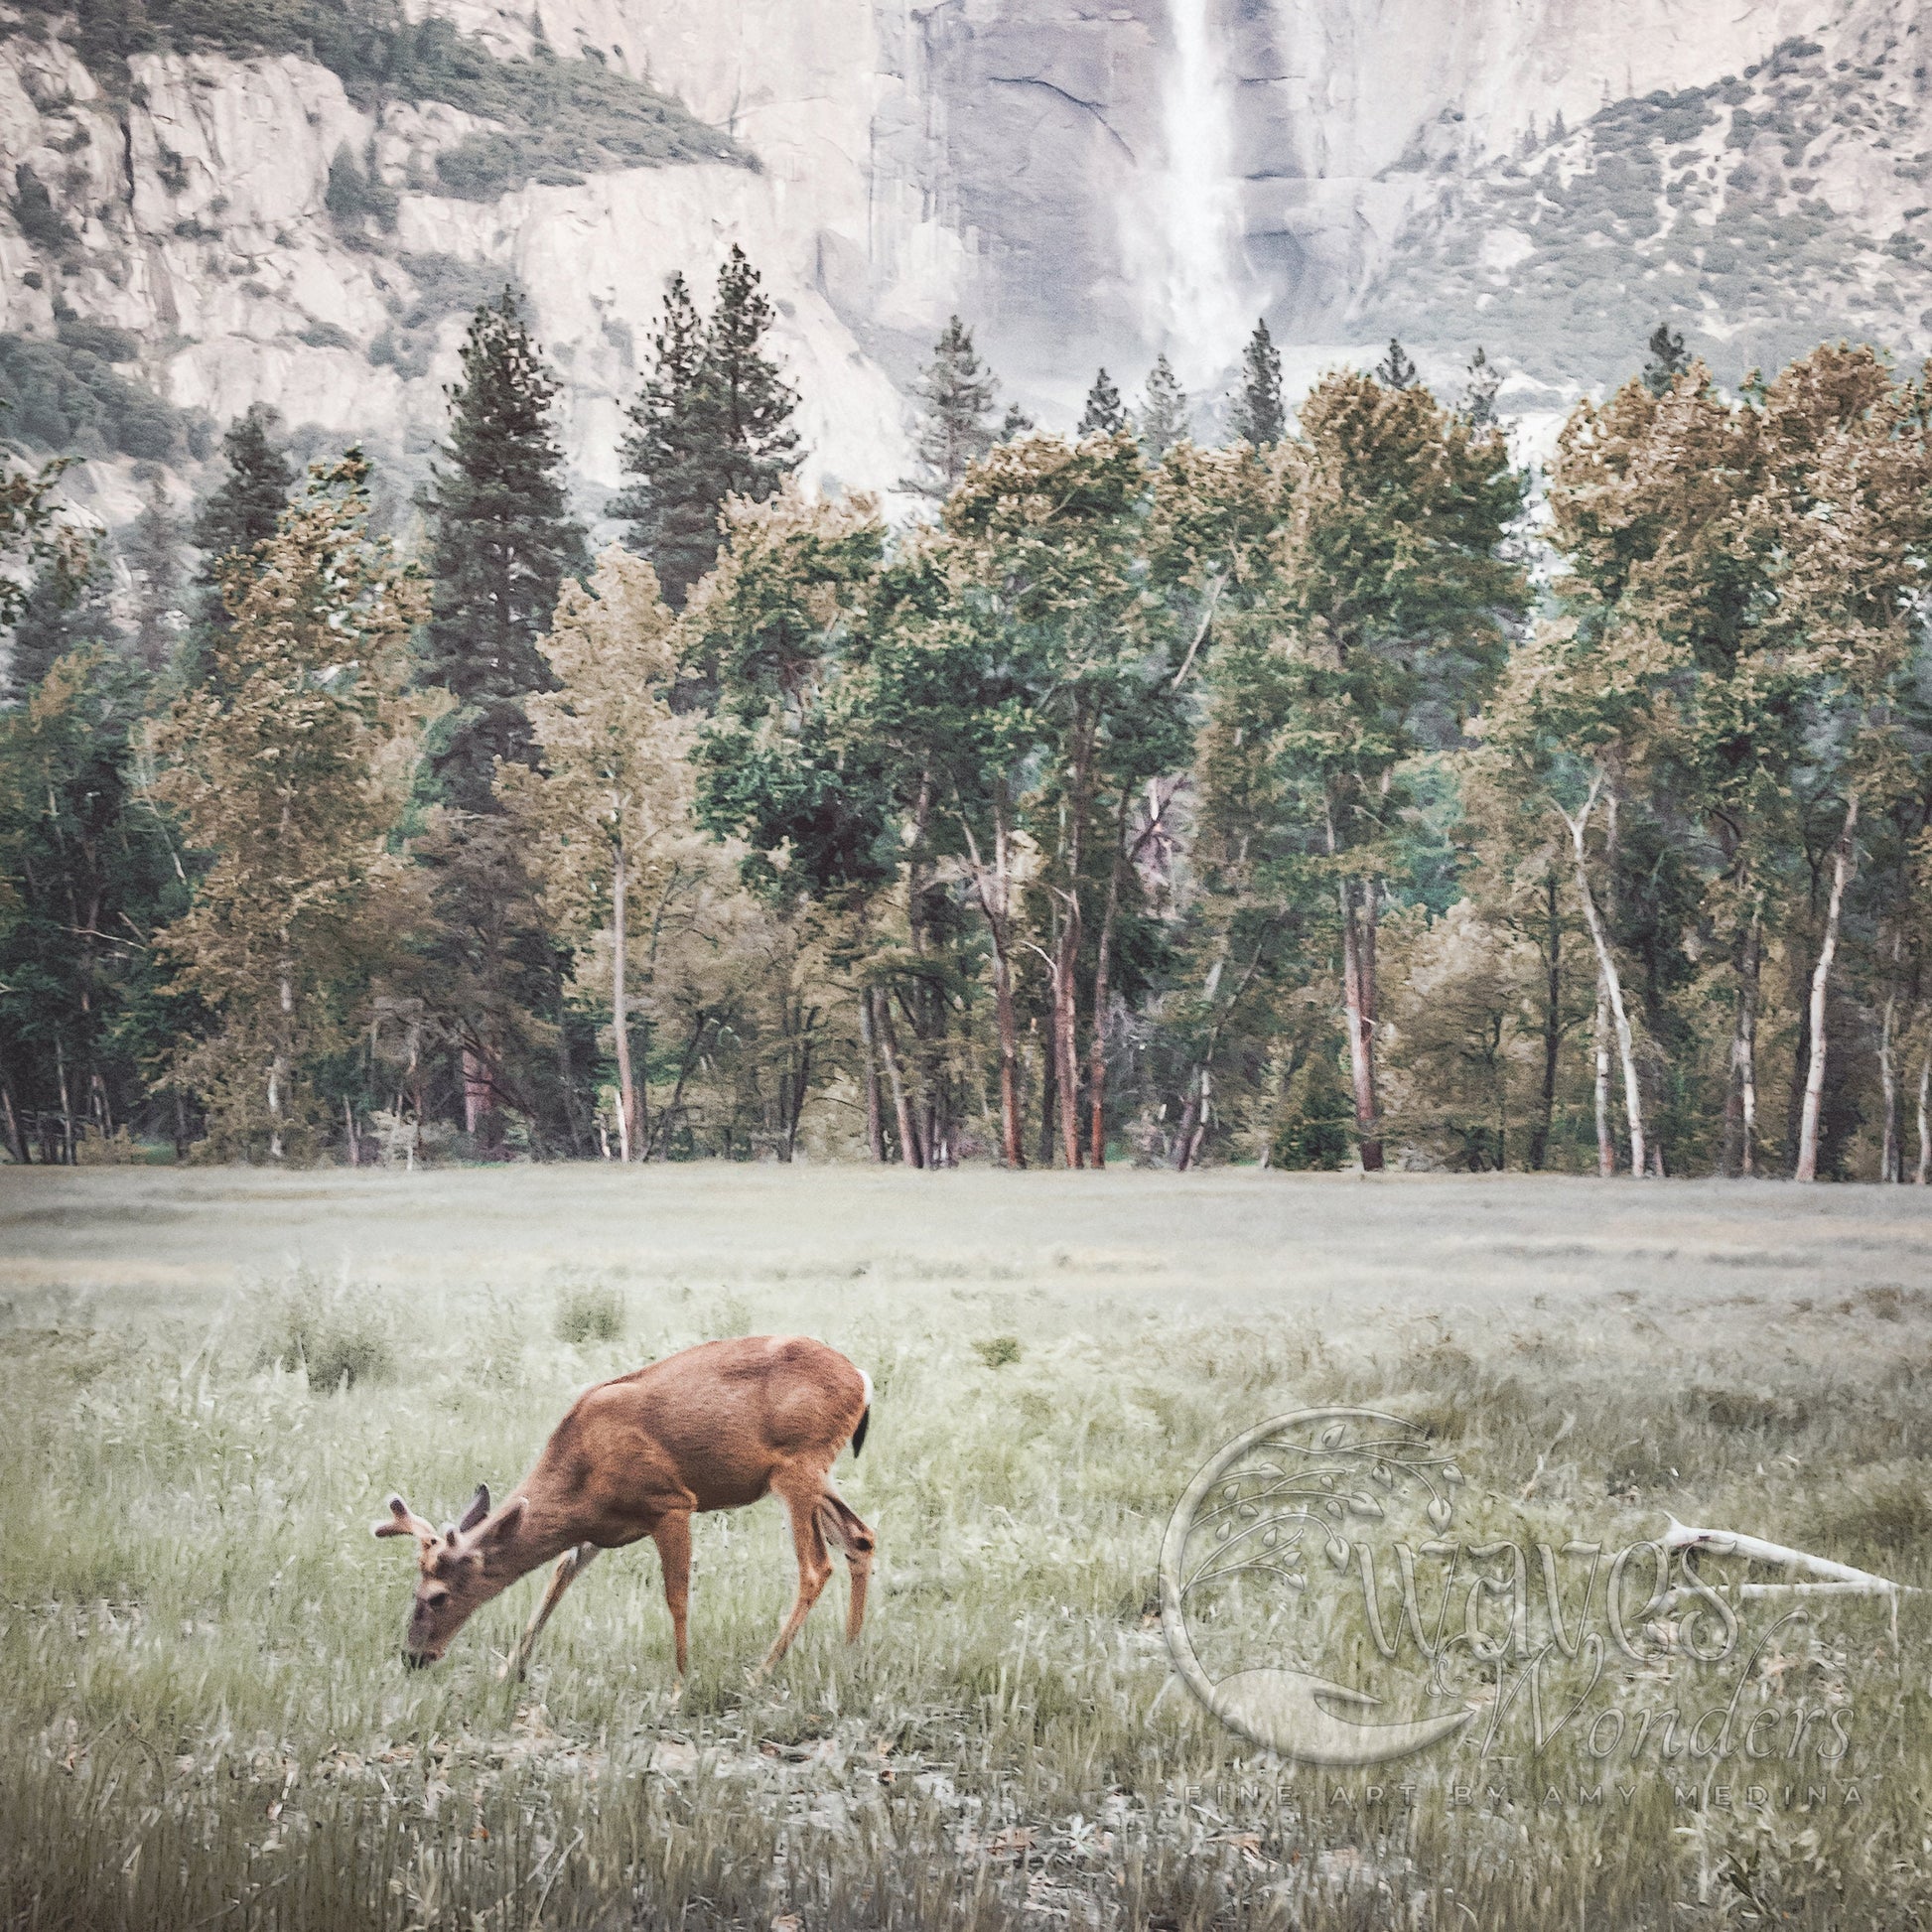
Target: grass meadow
210	1380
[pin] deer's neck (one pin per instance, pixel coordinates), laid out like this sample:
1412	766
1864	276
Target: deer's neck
532	1541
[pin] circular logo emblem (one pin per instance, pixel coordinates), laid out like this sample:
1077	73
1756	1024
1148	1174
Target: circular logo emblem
1272	1553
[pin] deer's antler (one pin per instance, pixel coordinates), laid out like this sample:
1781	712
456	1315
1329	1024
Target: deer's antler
403	1521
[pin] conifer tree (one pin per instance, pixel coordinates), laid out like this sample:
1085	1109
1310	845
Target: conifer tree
1668	359
955	429
1479	398
1396	371
1015	423
153	555
756	446
235	521
501	543
669	508
713	420
1260	415
1105	414
242	514
1164	412
67	606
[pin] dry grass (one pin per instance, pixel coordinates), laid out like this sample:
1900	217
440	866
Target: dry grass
204	1721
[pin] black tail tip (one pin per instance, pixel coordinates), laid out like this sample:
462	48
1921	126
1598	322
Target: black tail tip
858	1434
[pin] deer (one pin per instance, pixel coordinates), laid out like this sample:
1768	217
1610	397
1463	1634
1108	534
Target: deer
715	1427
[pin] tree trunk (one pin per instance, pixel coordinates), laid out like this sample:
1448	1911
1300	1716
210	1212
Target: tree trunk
1359	993
875	1124
801	1080
16	1139
1612	984
1066	1043
567	1075
620	1006
1892	1166
1097	1054
1743	1047
1600	1053
1924	1172
1049	1089
669	1112
910	1151
1356	950
1546	1104
281	1069
996	904
1842	853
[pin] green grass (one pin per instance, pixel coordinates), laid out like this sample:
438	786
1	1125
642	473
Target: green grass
204	1720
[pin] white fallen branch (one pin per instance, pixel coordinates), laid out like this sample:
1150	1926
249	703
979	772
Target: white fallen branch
1730	1543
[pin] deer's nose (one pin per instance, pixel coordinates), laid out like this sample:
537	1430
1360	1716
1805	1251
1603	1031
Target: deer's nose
415	1660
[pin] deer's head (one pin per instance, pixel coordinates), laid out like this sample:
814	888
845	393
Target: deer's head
452	1579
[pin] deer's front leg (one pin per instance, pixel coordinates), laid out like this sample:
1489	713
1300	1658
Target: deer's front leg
673	1538
570	1565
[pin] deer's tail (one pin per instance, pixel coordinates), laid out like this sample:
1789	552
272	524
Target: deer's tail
865	1416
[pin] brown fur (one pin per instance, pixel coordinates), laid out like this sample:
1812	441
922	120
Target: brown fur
716	1426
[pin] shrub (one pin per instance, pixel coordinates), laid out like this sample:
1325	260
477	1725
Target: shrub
354	196
336	1337
34	214
590	1312
326	335
64	396
997	1351
99	339
1316	1129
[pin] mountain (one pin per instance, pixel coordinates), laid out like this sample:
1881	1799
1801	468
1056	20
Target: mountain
211	202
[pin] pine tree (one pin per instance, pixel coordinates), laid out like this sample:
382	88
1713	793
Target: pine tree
153	555
235	521
713	420
501	543
1396	371
1105	414
242	514
1164	412
1668	359
1259	415
66	607
1479	398
756	446
956	395
669	508
1015	423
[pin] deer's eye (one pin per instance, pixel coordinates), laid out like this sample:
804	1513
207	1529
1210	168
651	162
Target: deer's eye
436	1598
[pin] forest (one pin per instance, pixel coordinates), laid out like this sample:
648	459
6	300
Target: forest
1344	792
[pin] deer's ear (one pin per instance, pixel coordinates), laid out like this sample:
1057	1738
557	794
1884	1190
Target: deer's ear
478	1510
506	1522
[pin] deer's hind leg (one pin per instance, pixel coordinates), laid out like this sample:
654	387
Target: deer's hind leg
801	1492
841	1524
673	1538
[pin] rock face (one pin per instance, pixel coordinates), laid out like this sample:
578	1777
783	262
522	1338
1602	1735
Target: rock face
1083	180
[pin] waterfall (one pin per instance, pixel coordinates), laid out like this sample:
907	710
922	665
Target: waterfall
1203	301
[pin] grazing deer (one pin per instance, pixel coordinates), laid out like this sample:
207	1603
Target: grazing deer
713	1427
